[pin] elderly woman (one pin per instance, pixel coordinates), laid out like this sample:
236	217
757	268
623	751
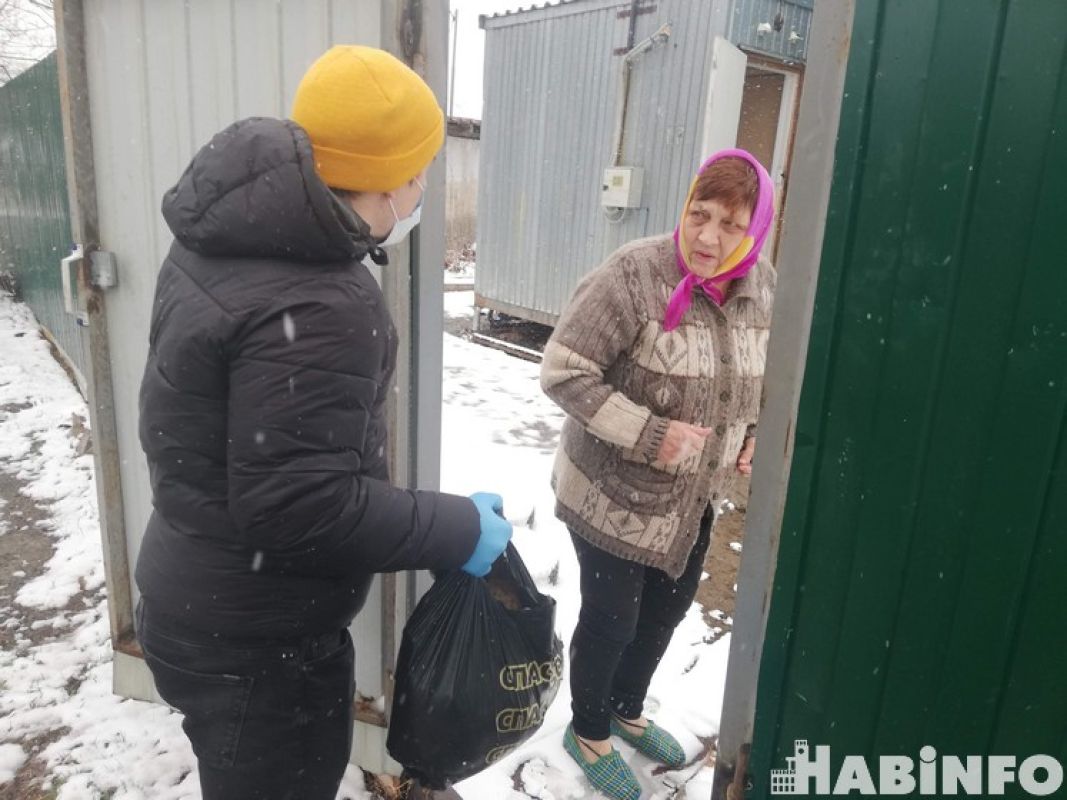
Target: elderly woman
658	362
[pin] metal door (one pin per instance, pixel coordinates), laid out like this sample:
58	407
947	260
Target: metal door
918	597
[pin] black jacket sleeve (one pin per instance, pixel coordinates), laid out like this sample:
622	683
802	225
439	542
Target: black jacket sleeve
305	377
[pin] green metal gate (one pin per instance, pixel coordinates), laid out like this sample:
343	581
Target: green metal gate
35	231
920	596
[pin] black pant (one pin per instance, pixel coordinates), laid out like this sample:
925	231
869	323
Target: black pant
268	721
629	613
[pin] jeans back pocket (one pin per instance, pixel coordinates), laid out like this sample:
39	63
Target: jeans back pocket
214	707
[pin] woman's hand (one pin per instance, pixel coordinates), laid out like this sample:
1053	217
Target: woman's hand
681	441
744	458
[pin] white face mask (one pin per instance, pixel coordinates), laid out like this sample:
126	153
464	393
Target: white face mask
404	226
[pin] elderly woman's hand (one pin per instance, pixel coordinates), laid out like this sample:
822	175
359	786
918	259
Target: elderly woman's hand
744	458
681	441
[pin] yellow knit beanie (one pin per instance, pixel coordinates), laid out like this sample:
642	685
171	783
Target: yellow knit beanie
374	124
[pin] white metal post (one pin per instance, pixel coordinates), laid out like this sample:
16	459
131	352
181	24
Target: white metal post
805	211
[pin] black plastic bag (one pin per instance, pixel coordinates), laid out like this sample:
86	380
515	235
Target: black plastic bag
479	665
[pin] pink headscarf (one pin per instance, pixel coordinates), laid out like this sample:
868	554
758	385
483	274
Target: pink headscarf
739	262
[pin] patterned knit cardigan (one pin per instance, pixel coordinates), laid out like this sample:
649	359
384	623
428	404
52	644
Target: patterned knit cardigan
621	379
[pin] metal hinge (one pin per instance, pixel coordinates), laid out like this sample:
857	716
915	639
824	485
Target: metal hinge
103	271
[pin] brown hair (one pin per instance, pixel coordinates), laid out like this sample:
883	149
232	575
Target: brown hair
731	181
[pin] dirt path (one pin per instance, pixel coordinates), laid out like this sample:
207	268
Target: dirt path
25	548
717	593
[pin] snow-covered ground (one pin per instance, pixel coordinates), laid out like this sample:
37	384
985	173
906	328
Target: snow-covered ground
55	672
459	276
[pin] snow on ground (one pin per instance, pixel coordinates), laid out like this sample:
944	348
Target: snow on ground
499	434
12	757
60	688
460	274
460	267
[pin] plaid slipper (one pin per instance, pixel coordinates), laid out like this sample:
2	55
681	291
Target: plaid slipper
654	742
608	774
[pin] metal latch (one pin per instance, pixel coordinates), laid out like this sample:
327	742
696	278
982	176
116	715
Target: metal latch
103	271
103	274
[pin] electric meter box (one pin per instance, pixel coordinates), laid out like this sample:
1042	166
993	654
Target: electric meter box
622	187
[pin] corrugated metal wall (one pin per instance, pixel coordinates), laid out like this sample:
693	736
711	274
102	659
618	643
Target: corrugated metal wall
550	97
789	43
919	595
34	208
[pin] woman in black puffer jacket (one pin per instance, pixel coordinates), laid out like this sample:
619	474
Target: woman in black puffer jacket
271	354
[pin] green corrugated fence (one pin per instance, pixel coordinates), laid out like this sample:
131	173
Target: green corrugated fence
920	596
35	230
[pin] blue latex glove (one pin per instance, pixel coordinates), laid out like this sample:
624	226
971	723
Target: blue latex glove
496	531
